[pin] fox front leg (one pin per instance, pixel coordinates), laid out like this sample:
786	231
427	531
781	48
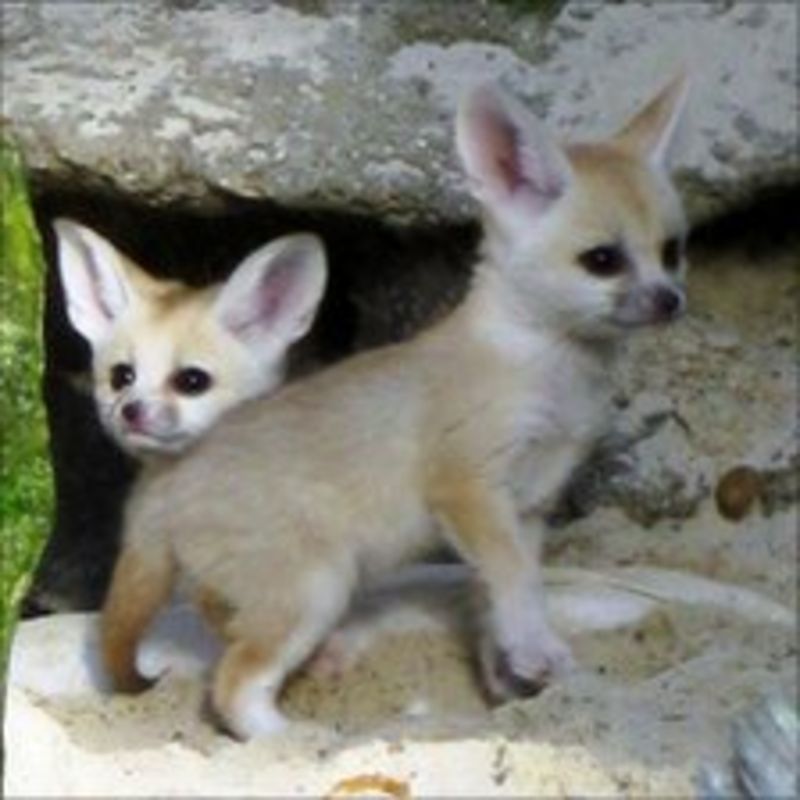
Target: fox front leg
522	654
141	584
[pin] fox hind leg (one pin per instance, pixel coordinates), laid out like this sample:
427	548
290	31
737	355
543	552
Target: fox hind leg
245	689
268	643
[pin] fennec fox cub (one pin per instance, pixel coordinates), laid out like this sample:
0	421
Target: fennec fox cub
290	502
168	360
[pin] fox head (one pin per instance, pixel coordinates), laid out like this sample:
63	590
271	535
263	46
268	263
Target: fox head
168	360
590	237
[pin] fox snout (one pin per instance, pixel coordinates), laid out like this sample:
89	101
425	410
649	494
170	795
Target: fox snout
667	303
143	416
136	422
651	304
133	414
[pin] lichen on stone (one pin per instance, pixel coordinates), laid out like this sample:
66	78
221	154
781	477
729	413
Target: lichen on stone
25	489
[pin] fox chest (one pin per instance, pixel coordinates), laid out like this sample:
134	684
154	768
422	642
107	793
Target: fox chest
561	410
555	428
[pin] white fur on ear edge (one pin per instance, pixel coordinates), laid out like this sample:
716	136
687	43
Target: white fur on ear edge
93	277
274	293
653	131
509	156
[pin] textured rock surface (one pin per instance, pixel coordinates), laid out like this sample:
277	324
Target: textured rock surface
346	104
660	679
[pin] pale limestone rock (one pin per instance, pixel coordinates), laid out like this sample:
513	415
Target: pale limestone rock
347	104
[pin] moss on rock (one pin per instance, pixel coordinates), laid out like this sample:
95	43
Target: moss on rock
26	486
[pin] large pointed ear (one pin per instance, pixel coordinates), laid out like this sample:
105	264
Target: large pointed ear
93	276
652	132
511	160
274	293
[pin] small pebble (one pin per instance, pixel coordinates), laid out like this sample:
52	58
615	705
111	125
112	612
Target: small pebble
737	492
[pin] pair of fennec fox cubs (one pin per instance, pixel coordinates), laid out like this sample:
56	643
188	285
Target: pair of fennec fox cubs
276	511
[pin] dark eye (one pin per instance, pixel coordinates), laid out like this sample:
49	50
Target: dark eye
121	375
191	380
604	261
671	253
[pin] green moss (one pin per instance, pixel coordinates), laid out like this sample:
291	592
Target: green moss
26	486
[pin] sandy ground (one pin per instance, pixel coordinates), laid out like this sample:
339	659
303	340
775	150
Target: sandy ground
677	625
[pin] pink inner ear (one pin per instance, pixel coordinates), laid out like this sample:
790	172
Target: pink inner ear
502	145
513	166
268	301
510	173
96	285
273	291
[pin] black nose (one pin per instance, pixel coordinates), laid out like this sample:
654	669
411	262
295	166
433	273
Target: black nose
132	412
667	303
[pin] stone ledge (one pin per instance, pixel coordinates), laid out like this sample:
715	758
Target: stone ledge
350	105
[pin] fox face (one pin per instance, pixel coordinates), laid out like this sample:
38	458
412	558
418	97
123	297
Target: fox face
591	237
168	360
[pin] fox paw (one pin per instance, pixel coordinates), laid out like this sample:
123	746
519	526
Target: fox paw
133	683
525	668
261	722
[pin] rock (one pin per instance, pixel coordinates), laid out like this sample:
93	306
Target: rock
737	491
764	761
349	105
667	659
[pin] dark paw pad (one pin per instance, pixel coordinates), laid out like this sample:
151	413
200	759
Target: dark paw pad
507	684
